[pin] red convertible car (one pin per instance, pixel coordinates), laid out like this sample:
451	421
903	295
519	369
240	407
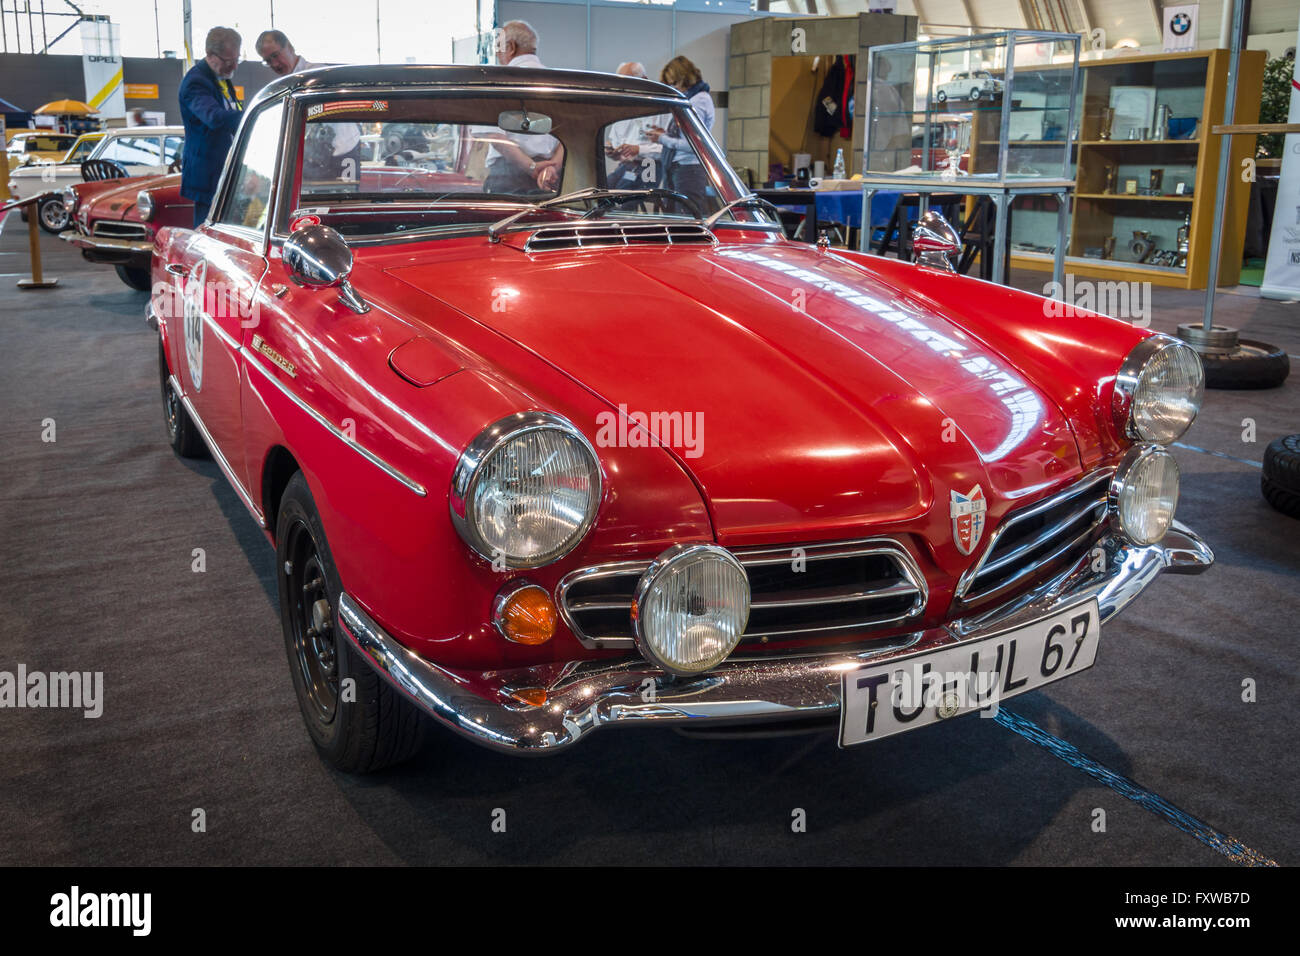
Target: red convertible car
115	221
539	456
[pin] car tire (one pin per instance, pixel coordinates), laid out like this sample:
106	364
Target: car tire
941	96
182	433
1280	481
373	727
975	94
138	279
1250	365
53	216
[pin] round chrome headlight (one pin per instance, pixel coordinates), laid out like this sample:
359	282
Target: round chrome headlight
69	196
144	203
1144	493
691	608
526	490
1158	390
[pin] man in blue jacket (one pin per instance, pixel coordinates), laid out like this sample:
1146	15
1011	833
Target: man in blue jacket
211	112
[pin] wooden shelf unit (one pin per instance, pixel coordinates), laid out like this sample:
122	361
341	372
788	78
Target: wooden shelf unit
1096	212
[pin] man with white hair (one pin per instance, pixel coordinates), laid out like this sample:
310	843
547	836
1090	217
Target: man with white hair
211	111
632	158
520	162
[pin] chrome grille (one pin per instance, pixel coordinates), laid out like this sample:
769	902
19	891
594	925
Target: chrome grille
1059	527
839	587
115	229
593	234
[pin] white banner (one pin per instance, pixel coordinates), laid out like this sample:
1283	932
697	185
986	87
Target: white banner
1180	27
1282	267
102	65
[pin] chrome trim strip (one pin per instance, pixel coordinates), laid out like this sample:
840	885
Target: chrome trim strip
325	423
1048	532
585	696
1011	519
848	597
579	235
107	244
760	557
231	342
219	458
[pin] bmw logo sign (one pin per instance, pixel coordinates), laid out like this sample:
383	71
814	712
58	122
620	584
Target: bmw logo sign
1180	23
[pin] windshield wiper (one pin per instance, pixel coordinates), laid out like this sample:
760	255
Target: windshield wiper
750	200
494	230
616	197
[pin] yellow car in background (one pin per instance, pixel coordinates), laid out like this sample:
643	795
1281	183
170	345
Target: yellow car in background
32	145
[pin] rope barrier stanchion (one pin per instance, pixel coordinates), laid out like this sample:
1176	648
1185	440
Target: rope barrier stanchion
38	278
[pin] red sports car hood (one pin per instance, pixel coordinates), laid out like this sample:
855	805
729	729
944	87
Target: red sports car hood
117	201
798	389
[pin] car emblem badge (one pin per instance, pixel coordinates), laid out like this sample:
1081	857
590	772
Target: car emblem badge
259	345
967	512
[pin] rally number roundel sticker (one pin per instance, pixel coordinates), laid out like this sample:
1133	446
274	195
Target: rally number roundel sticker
194	323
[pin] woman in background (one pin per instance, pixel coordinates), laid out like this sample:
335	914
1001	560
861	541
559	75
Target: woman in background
682	169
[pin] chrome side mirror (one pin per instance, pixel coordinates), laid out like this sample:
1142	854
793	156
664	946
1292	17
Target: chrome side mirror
317	257
935	242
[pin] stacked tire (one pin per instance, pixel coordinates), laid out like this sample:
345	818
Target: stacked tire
1281	479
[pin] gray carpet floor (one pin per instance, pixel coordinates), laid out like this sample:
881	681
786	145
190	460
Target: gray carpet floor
97	533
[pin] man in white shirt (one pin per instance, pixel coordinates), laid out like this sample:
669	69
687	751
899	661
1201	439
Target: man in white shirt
345	138
520	162
632	156
278	53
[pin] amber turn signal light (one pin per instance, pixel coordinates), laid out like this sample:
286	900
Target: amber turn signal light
524	613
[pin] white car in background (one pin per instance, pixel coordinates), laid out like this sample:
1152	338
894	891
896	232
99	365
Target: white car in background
968	86
140	149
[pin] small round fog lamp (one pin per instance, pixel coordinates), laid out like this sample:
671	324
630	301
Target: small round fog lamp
1144	493
691	608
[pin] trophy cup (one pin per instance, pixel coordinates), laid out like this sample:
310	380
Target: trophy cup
956	141
1107	121
1112	178
1184	241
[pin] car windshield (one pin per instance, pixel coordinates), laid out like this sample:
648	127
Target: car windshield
81	150
427	162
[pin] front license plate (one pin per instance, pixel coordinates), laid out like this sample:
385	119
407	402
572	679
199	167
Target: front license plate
905	693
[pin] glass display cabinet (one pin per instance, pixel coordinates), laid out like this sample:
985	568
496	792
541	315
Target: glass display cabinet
990	115
997	107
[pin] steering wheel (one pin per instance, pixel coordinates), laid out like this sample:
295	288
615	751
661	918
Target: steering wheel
608	202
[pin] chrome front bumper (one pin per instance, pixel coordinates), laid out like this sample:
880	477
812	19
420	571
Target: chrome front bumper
113	251
582	697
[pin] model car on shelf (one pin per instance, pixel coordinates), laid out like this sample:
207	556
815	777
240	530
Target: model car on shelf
140	150
540	457
968	86
115	220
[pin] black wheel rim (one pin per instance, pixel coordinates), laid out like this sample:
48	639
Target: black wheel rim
171	410
311	618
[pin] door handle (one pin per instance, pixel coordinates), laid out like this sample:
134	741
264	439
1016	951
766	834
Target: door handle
176	269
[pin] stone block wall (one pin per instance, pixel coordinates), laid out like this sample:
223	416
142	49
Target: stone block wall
749	72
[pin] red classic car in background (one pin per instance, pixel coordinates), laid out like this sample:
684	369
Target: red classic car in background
537	460
115	220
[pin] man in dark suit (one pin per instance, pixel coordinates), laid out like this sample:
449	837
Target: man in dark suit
211	112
